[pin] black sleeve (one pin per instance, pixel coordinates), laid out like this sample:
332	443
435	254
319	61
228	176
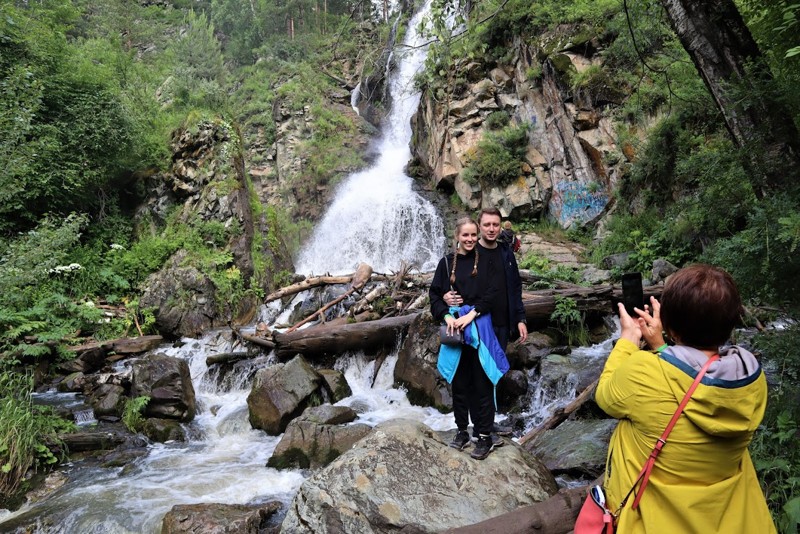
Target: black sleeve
439	286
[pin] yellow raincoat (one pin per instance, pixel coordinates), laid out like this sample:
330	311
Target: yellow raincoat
704	480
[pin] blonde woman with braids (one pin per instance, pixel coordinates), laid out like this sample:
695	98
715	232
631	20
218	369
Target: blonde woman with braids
473	368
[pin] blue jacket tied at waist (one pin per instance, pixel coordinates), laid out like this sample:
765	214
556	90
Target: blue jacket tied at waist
479	334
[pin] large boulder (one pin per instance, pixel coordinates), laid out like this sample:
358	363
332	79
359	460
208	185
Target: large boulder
281	392
168	383
403	477
317	437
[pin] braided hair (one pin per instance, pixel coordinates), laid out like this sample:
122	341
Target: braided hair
459	224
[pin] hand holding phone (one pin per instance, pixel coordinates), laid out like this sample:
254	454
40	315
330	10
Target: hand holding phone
632	293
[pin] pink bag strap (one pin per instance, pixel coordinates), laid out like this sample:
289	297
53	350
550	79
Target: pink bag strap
644	474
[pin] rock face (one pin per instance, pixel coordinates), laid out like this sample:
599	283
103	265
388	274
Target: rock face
565	171
168	383
208	186
402	477
317	437
281	392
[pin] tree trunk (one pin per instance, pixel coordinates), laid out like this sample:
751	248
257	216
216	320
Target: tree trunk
556	515
722	48
336	339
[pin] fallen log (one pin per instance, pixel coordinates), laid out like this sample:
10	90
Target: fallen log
358	279
260	341
308	283
322	310
541	304
560	415
335	339
556	515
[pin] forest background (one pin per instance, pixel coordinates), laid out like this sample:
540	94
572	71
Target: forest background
91	92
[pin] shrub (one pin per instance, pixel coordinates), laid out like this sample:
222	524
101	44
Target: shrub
28	433
498	157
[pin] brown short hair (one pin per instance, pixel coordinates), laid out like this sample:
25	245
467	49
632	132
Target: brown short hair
701	306
489	211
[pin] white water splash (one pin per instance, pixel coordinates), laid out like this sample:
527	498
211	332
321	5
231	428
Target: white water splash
376	216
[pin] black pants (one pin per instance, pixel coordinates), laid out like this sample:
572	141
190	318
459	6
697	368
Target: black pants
473	393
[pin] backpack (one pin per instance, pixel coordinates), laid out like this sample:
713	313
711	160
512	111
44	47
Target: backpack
516	245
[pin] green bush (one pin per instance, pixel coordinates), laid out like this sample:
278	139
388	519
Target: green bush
776	458
570	321
28	432
762	257
497	159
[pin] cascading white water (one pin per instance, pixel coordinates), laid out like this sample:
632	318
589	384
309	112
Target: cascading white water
376	216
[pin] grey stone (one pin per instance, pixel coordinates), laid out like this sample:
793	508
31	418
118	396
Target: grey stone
403	477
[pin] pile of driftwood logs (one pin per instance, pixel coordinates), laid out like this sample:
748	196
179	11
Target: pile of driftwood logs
403	296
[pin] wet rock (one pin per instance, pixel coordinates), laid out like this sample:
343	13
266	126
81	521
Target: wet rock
73	382
402	476
578	448
215	518
163	430
168	383
336	383
317	437
415	369
281	392
107	399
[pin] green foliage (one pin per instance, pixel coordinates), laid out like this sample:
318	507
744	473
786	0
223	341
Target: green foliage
762	256
543	267
646	237
200	74
498	157
133	413
497	120
569	321
776	459
28	433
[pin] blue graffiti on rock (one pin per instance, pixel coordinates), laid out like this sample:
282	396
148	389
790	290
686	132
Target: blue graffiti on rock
574	202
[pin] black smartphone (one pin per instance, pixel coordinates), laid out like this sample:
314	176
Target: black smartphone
632	293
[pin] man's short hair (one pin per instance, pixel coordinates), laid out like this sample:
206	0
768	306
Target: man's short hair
489	211
700	305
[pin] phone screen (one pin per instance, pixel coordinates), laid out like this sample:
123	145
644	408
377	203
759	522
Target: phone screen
632	294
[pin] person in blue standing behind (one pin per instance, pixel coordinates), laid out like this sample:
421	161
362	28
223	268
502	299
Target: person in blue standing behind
474	367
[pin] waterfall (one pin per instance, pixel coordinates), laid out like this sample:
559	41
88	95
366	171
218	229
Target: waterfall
376	217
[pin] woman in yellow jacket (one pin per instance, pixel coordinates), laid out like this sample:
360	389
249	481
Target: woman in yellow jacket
704	480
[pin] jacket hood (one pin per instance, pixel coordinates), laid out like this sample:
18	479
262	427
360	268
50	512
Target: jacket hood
732	396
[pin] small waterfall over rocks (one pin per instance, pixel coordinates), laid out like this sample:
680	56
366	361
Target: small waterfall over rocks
376	216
